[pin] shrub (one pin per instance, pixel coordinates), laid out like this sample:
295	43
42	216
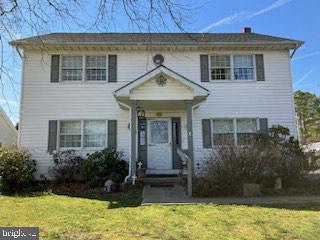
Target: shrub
16	169
264	159
67	166
103	165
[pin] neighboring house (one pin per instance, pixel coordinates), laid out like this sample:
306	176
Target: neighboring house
150	94
8	133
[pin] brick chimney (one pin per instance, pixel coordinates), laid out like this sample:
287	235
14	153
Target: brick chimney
247	30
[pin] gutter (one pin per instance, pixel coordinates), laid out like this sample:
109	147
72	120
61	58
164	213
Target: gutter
298	45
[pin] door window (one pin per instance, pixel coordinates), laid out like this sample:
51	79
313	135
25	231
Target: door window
159	131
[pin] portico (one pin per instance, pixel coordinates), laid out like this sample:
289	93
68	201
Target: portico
161	103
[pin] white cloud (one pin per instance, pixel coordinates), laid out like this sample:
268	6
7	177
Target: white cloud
307	55
238	17
305	76
274	5
225	21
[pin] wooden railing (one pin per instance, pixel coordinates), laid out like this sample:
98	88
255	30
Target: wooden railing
187	161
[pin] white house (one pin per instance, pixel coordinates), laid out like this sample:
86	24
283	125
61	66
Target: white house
8	133
148	94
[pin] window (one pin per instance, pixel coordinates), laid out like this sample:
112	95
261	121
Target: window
86	134
223	131
243	67
220	67
96	68
95	133
246	128
71	68
233	131
232	67
70	134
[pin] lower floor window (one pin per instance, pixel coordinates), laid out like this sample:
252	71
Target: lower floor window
233	131
87	134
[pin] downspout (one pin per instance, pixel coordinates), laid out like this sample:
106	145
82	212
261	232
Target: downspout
129	172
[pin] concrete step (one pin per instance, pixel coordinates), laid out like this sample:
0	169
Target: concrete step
161	180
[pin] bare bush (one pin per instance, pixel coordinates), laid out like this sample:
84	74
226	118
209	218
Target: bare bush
266	158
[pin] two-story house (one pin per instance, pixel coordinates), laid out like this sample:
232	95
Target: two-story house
148	94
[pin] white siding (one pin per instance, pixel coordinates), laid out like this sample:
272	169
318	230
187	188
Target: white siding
44	101
173	90
8	134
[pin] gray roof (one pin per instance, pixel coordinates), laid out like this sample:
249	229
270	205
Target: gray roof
154	39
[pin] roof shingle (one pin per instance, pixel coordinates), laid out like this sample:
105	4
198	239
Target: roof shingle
153	38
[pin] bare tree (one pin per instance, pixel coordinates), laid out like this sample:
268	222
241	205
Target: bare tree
33	17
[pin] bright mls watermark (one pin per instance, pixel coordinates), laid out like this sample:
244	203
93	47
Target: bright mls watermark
18	233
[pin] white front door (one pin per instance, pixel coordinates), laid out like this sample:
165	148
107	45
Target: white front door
159	144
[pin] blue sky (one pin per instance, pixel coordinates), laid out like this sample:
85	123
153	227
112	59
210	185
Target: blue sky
296	19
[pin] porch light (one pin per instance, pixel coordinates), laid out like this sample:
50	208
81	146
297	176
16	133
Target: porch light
141	113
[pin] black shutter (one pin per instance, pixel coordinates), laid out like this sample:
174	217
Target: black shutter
112	134
206	133
260	67
204	68
263	122
52	135
55	67
112	69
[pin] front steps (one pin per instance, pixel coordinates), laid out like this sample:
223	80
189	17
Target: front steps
162	180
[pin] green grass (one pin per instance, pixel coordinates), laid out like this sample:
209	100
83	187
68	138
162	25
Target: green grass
119	217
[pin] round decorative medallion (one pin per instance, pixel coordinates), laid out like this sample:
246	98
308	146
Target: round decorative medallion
161	81
158	59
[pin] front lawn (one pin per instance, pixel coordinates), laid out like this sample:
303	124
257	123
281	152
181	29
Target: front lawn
119	217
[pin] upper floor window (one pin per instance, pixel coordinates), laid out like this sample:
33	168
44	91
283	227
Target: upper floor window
232	67
220	67
243	67
96	68
89	68
71	68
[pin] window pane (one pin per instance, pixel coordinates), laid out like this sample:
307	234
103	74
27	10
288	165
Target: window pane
96	74
246	129
96	68
223	139
220	61
71	74
67	141
159	131
246	125
243	61
94	133
220	67
71	68
220	74
245	138
70	127
243	67
222	126
71	62
243	74
95	127
96	62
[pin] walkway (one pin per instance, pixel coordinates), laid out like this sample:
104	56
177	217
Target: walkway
177	195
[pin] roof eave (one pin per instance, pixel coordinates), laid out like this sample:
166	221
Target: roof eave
282	44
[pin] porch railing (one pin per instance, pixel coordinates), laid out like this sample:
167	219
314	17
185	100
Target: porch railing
187	161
